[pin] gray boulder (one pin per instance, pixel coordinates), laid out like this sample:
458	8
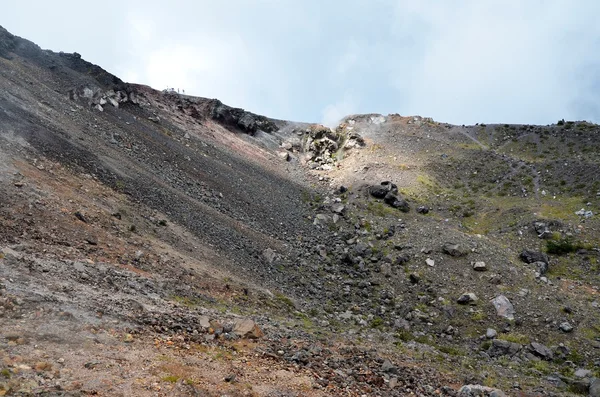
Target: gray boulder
491	333
453	249
566	327
542	267
503	307
541	351
501	347
478	390
467	298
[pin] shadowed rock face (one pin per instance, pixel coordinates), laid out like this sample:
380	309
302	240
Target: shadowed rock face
114	132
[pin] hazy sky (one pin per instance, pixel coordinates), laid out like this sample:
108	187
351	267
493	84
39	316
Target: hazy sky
526	61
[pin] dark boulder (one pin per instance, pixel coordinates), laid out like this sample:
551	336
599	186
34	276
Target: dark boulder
423	209
378	191
529	256
396	202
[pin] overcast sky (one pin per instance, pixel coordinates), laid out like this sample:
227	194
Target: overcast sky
526	61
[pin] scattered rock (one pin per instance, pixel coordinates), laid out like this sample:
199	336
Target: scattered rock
414	278
322	220
467	298
378	191
594	390
529	256
42	366
430	262
423	209
478	390
269	255
541	351
80	216
338	208
204	322
501	347
480	266
491	333
453	249
542	267
388	367
229	378
246	328
542	230
566	327
503	307
582	373
396	202
585	214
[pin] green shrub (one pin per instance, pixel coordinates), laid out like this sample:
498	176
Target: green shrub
561	247
377	322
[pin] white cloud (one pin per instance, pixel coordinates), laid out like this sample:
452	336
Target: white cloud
463	61
495	62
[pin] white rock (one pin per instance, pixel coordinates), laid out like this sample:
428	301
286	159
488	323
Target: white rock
503	307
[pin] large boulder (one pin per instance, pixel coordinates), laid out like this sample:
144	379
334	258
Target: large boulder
478	390
541	351
246	328
542	230
378	191
529	256
396	202
501	347
467	298
542	267
503	307
453	249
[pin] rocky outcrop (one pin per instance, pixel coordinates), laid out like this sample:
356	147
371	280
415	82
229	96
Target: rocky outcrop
240	119
99	98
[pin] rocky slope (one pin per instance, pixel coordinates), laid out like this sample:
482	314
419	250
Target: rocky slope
157	243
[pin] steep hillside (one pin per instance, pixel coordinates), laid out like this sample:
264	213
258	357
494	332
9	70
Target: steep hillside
157	243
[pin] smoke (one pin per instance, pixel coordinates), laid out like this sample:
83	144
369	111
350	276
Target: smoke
334	113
